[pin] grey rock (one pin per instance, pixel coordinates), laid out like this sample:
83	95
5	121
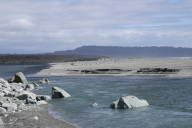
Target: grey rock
44	80
41	102
25	95
4	83
43	97
128	102
19	78
59	93
30	101
10	107
28	97
29	87
2	110
10	94
94	105
36	85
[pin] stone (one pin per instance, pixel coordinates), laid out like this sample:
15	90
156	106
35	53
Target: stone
10	107
94	105
129	102
43	97
28	97
36	118
29	87
44	80
41	102
2	110
36	85
4	83
59	93
19	78
30	101
24	95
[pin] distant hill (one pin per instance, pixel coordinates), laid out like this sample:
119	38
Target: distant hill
113	51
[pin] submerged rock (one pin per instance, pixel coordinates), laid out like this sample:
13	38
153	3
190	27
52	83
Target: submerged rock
44	81
94	105
19	78
128	102
59	93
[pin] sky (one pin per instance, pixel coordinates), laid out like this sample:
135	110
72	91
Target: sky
37	26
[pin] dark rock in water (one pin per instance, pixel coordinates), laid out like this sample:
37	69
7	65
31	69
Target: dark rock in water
19	78
128	102
44	81
59	93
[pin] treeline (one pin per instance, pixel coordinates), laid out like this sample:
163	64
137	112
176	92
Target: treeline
43	58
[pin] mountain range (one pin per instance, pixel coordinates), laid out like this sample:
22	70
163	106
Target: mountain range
116	51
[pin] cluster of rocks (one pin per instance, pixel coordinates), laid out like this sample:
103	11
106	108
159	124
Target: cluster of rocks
157	70
16	95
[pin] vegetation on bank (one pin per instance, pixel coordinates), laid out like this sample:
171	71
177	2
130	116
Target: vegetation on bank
43	58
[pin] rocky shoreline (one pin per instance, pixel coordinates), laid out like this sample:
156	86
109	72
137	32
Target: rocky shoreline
19	107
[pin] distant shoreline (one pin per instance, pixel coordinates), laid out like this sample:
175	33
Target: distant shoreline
167	67
42	59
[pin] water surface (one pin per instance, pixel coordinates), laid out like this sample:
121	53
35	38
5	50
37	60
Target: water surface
170	101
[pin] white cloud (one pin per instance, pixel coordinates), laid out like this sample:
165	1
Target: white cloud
61	24
22	23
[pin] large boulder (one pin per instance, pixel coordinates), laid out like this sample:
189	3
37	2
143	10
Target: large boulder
128	102
59	93
19	78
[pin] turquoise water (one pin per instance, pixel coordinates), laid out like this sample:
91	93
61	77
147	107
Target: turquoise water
170	101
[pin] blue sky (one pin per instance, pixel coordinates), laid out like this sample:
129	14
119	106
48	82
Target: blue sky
35	26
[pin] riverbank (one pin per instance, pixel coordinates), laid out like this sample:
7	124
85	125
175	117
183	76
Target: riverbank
168	67
36	117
